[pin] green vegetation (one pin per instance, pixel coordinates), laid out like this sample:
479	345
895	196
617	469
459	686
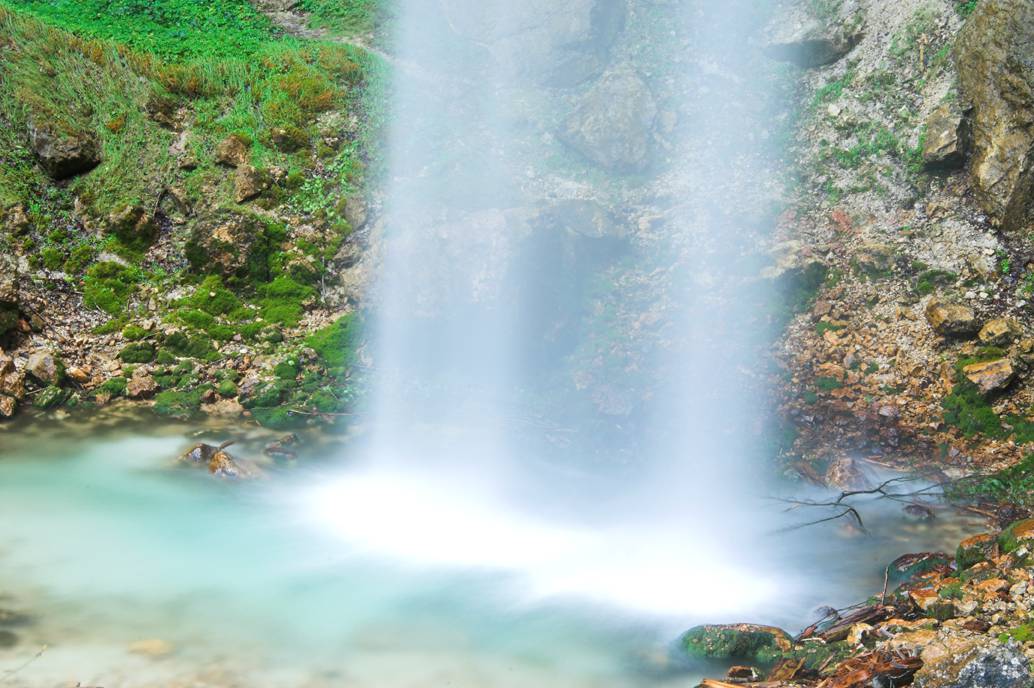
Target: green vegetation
967	409
336	344
1013	485
951	591
833	90
929	281
108	287
906	42
965	7
345	16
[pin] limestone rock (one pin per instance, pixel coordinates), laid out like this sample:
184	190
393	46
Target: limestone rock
950	319
990	664
45	367
7	406
946	137
249	183
556	44
233	151
996	78
141	385
218	462
12	383
1018	534
16	220
808	42
1000	332
62	151
846	473
9	292
991	376
976	549
613	124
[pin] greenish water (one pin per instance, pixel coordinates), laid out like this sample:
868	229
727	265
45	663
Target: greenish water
105	545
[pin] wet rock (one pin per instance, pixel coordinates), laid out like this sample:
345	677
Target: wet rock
133	225
50	398
991	376
996	78
585	218
224	408
989	664
62	151
45	367
976	549
557	44
12	383
1017	535
153	647
1000	332
613	124
736	641
8	406
846	473
8	639
947	138
233	151
218	462
283	447
951	319
249	183
908	568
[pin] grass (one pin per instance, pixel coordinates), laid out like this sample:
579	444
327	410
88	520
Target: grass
345	16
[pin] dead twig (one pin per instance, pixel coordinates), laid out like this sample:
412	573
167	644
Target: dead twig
8	674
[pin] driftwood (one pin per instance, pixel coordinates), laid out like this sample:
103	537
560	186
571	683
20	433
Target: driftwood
841	627
875	669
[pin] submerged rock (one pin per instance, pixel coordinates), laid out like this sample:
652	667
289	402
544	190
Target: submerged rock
218	462
613	123
996	78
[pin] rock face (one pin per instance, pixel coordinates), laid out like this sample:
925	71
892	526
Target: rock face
991	376
558	44
249	183
62	152
951	319
947	138
996	78
613	123
1001	666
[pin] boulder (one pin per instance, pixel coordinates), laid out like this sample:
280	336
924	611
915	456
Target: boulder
16	220
1000	332
1016	535
8	406
989	664
951	319
218	462
45	367
947	138
249	183
12	383
846	473
62	151
555	44
991	376
233	151
996	79
612	124
809	42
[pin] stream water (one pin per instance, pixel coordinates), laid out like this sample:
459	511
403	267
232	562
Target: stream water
109	550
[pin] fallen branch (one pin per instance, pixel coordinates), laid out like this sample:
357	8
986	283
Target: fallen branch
10	673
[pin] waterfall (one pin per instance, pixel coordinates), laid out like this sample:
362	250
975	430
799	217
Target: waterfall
559	174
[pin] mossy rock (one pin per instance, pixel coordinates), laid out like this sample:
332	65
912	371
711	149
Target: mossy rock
1016	535
140	352
974	550
741	642
177	404
266	396
50	397
909	567
8	319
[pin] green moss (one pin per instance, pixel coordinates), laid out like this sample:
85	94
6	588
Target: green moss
952	591
265	396
746	643
928	281
193	346
967	409
336	344
108	286
286	370
213	298
828	384
134	333
178	404
227	388
140	352
1022	634
282	301
278	418
50	397
115	387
